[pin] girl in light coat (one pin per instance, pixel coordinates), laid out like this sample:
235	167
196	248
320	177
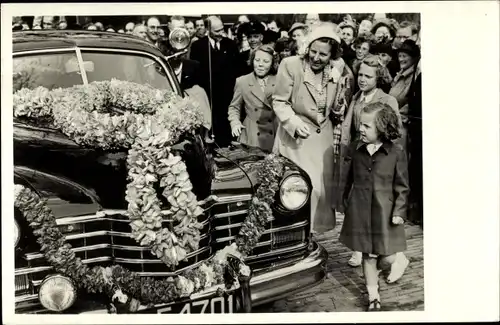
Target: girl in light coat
252	93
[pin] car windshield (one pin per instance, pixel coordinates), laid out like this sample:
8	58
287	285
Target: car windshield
50	70
55	70
135	68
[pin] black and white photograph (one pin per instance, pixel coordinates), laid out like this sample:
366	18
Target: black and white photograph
218	162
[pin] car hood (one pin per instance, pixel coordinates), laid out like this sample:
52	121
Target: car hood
238	161
54	164
236	169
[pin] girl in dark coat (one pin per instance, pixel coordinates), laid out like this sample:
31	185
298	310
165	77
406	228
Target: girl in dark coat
376	196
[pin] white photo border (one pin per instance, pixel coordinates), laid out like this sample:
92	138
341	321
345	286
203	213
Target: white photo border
460	64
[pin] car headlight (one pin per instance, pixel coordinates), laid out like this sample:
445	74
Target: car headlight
17	233
57	293
294	192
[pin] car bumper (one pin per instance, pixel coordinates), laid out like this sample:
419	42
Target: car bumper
264	287
282	282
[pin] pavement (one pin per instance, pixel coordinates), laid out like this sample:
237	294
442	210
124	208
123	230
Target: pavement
343	289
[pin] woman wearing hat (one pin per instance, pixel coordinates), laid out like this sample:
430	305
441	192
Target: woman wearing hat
298	33
310	98
408	57
388	56
384	30
365	26
252	93
347	31
385	55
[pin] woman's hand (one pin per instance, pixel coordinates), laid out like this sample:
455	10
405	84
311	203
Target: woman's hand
236	130
397	220
303	131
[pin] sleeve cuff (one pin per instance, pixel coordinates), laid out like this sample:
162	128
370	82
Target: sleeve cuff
235	123
291	125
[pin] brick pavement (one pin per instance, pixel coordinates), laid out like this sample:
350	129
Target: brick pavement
344	289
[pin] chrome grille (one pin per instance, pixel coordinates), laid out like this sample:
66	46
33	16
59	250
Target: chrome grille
106	239
21	284
228	218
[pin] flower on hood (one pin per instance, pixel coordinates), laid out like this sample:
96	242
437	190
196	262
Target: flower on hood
120	296
222	254
209	275
17	190
244	270
185	286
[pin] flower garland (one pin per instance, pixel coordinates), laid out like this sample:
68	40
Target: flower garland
259	211
114	280
118	282
151	122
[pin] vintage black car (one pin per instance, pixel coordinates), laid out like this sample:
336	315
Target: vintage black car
85	187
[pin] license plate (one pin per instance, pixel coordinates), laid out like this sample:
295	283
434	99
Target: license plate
213	305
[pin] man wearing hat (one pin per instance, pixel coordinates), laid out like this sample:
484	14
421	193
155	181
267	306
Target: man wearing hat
270	37
254	31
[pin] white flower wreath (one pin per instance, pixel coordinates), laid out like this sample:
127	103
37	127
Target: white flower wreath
151	121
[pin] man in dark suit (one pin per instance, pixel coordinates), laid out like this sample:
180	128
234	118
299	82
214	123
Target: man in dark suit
188	75
219	68
187	71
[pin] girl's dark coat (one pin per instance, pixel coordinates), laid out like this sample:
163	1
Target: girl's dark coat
376	189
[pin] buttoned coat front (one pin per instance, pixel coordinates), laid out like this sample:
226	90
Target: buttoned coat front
376	188
293	102
349	133
260	122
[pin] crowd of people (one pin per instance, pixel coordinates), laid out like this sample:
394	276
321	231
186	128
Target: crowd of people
340	99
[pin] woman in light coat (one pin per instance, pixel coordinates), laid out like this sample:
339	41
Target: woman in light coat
408	57
252	93
309	95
